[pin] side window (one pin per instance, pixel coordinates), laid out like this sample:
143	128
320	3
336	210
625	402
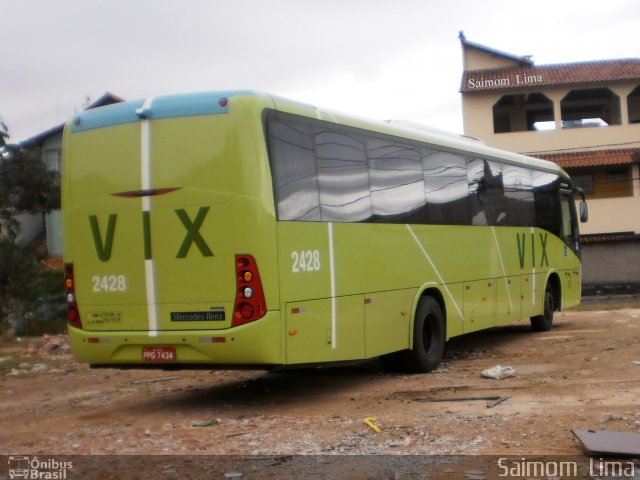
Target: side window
328	172
546	190
486	192
293	165
446	188
343	176
518	192
395	175
570	232
492	193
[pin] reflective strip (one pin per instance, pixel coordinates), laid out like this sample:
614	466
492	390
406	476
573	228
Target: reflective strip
533	271
332	275
145	183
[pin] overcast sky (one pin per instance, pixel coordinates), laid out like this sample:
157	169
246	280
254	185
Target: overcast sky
397	59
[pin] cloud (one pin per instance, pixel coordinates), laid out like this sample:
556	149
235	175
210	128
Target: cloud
399	58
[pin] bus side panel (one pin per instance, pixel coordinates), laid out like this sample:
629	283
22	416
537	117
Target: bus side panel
387	321
509	299
453	295
486	276
379	265
527	286
467	260
480	303
571	279
529	255
325	330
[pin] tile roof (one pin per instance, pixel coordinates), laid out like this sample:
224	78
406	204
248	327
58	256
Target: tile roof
524	59
105	99
530	76
592	158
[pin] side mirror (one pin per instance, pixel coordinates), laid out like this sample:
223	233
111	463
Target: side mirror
584	210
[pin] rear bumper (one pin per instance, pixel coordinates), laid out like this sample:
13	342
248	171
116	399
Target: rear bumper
256	343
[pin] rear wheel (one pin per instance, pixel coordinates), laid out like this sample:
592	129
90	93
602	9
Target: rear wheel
428	337
544	322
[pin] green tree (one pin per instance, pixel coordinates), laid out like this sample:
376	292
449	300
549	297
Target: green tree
4	134
26	186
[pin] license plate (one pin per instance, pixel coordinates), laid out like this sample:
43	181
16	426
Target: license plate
158	354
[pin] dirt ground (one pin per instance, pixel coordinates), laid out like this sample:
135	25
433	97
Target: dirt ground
579	375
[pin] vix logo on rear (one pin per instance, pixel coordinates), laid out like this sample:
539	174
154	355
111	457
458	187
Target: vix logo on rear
104	241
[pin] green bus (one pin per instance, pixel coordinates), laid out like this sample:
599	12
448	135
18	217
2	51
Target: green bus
238	229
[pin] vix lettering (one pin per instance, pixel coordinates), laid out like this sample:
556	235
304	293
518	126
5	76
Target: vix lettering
522	249
104	245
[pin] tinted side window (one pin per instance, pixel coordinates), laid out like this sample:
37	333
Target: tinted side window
446	188
570	232
486	192
328	172
293	165
546	189
518	192
343	176
395	175
492	194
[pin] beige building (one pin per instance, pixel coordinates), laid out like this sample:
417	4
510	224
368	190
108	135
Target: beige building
585	116
50	144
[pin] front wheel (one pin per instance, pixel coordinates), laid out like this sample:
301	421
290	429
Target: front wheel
428	337
544	322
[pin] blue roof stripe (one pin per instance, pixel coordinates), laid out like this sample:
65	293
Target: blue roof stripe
170	106
115	114
186	105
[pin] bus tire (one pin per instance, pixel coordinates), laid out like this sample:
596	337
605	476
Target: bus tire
428	337
544	322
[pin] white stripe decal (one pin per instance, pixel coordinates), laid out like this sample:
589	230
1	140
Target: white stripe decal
145	148
332	275
440	279
145	184
533	271
151	298
504	272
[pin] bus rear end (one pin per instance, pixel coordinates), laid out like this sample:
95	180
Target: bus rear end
161	202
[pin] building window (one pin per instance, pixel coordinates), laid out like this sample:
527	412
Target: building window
522	113
594	107
605	182
633	105
584	181
617	182
53	159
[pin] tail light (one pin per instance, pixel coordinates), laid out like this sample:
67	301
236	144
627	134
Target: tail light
250	303
73	315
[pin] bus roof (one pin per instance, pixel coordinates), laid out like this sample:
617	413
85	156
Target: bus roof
422	133
216	102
